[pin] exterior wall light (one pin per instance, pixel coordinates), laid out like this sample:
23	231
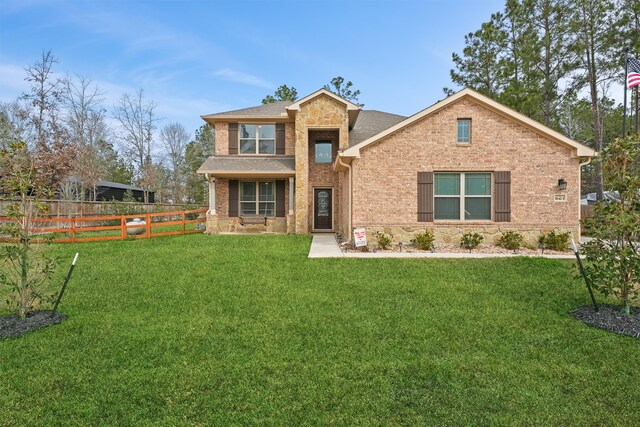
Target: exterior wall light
562	184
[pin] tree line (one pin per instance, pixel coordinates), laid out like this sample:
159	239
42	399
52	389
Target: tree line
556	61
74	140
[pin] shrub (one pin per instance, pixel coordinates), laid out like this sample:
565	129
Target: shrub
511	240
555	241
384	240
471	240
423	241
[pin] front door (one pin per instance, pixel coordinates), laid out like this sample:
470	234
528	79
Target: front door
322	209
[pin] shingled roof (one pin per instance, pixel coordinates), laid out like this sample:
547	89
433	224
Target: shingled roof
275	109
372	122
247	165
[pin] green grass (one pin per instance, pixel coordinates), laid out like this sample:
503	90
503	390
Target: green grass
237	330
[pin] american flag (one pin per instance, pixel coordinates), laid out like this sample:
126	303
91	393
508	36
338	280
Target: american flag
633	76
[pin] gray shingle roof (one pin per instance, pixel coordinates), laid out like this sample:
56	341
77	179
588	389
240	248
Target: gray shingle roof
371	122
267	110
243	164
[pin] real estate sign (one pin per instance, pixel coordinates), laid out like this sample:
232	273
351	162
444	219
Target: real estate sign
360	237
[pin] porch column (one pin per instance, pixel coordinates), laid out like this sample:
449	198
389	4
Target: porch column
291	197
212	196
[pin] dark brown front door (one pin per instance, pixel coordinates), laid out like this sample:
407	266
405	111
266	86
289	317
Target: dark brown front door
322	209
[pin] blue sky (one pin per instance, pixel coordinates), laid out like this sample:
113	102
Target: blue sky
196	57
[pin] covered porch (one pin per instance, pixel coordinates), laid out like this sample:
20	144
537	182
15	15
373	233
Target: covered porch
250	194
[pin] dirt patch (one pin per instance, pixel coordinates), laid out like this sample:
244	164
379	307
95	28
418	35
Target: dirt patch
13	326
611	319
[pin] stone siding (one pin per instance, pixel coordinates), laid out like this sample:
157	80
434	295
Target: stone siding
319	112
321	175
385	176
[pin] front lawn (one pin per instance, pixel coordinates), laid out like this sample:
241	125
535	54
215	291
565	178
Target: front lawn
237	330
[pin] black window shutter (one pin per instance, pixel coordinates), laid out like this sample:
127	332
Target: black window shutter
280	198
425	196
233	138
233	198
503	197
280	138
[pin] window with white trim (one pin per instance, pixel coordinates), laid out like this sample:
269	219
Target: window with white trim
257	139
257	198
464	131
460	196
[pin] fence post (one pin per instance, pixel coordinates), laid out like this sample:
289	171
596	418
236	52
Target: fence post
73	230
123	228
183	219
148	226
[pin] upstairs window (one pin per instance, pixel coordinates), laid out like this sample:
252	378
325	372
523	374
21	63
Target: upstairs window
464	131
257	139
323	152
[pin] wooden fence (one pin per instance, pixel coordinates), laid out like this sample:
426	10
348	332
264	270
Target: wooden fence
74	208
114	227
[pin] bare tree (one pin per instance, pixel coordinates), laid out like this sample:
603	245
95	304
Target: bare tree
137	119
175	138
53	155
85	119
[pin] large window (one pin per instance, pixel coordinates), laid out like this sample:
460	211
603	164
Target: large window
323	151
257	198
462	196
464	131
257	139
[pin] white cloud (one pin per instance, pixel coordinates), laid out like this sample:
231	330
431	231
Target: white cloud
243	78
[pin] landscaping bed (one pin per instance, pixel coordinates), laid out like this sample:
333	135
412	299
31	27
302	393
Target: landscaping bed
13	326
610	318
484	248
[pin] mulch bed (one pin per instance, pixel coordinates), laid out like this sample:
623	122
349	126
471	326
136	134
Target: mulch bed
13	326
610	318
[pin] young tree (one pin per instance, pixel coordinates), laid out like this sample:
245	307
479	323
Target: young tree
283	93
343	90
175	138
26	271
613	257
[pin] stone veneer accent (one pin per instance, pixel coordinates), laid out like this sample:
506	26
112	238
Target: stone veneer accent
321	175
319	112
385	176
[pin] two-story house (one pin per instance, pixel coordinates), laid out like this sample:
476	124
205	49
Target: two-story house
466	163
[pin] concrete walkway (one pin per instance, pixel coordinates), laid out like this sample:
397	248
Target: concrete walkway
326	246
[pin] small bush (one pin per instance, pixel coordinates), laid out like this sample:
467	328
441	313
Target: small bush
384	240
511	240
471	240
555	241
423	241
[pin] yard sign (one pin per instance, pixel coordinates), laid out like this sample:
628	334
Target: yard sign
360	237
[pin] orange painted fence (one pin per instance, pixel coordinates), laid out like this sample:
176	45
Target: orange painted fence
177	221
